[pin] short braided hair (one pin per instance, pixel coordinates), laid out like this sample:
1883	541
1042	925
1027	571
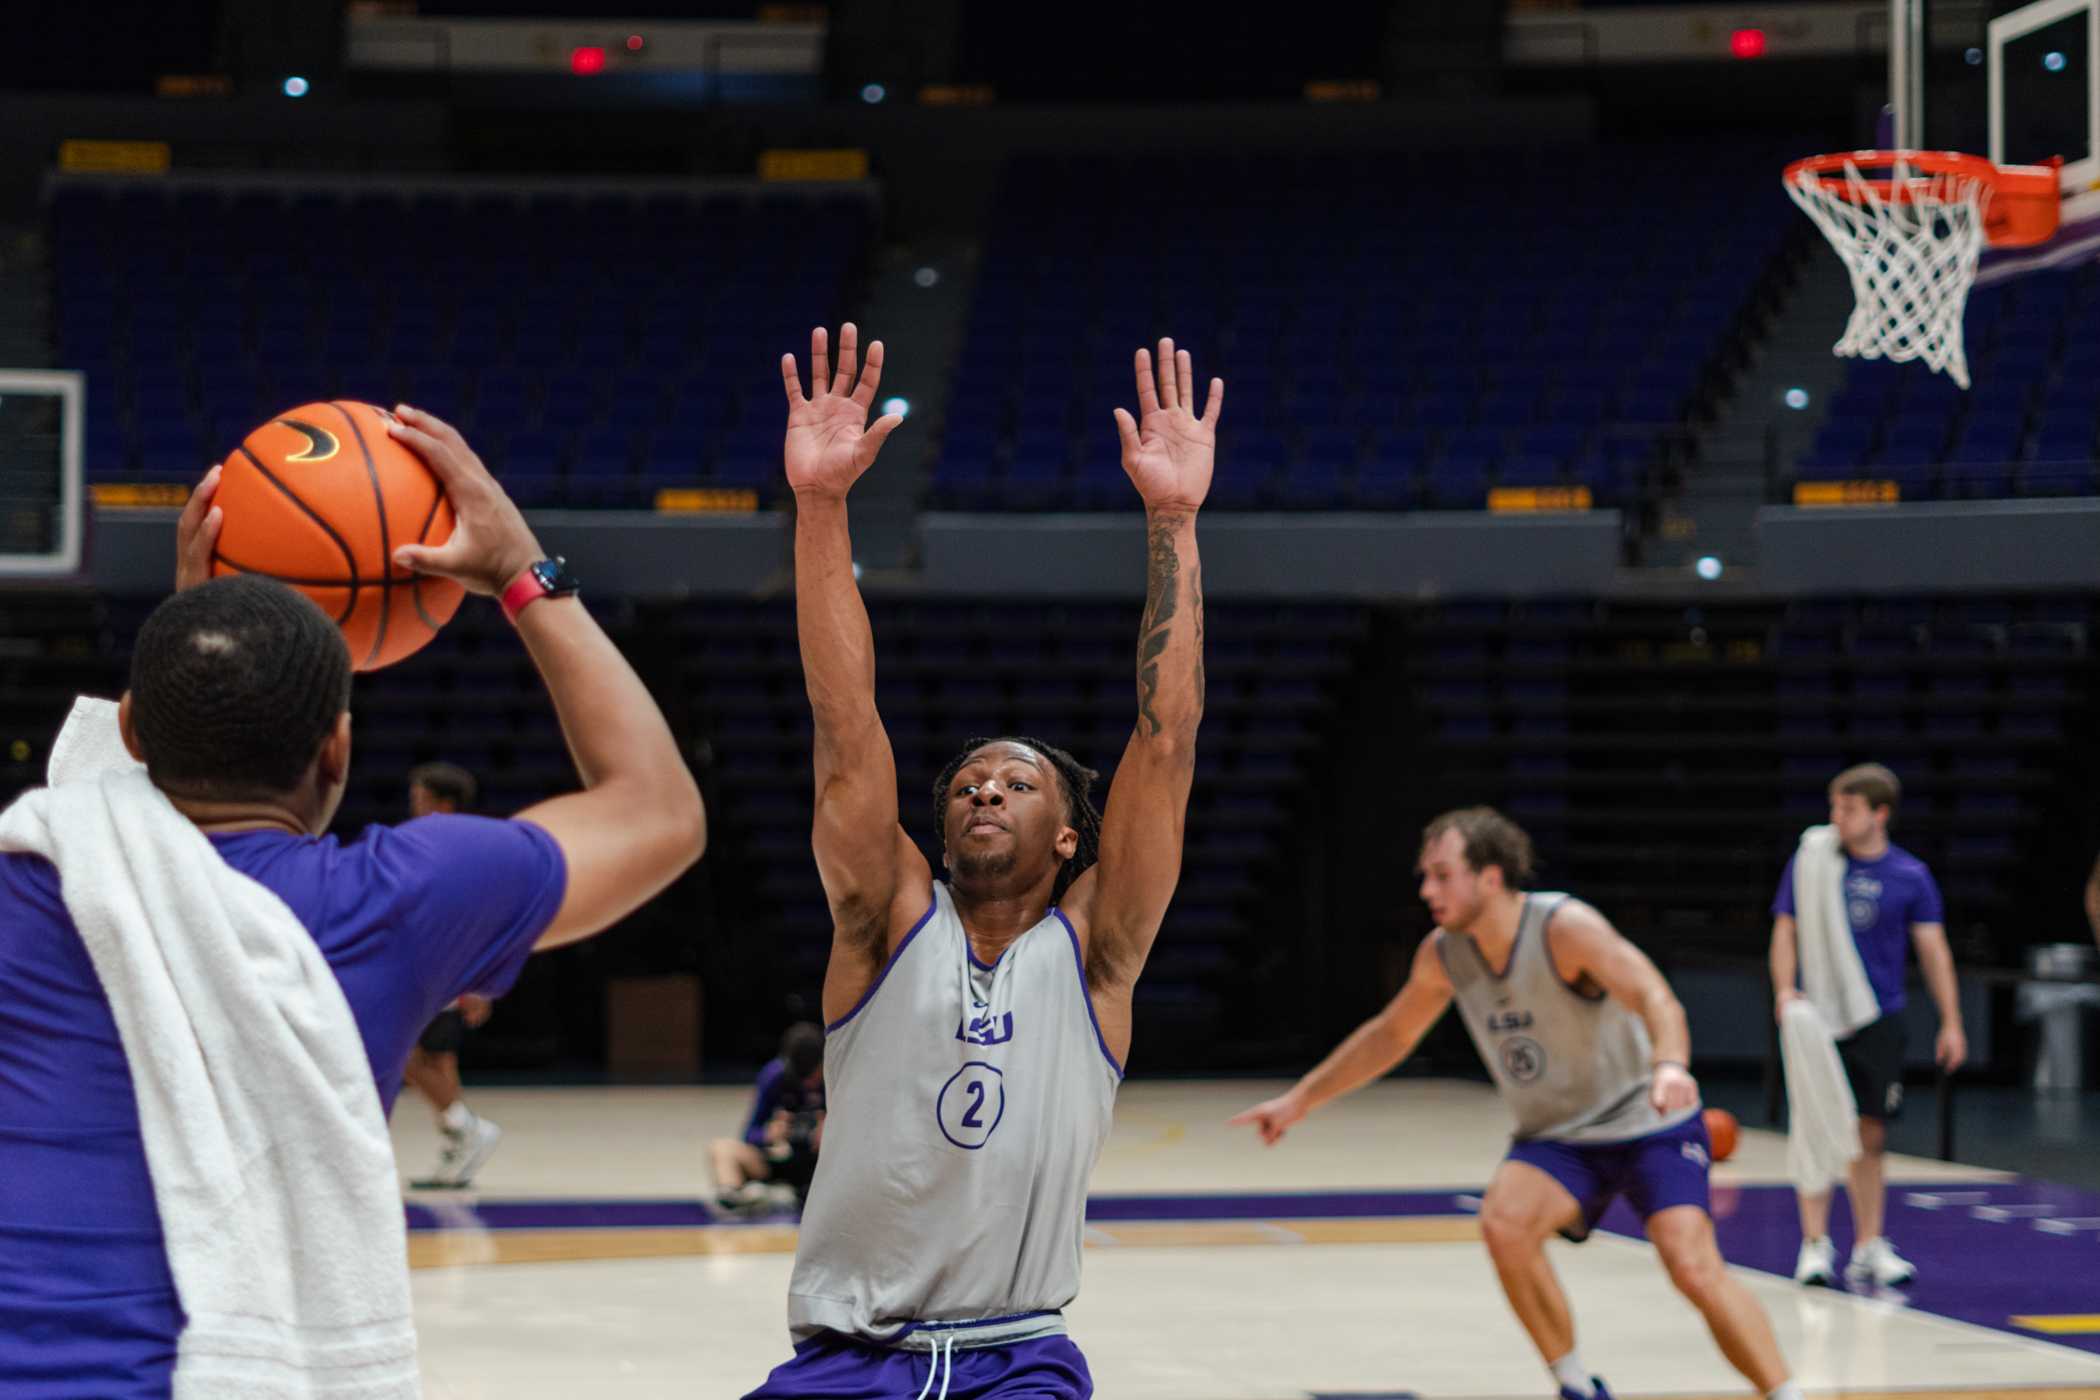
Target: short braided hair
1080	813
234	685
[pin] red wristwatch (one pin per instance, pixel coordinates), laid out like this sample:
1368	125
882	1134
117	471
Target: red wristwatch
549	578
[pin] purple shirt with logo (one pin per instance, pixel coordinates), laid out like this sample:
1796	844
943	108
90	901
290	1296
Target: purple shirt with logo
409	917
1883	898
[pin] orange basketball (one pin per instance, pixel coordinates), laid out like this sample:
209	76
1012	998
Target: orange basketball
1721	1129
319	498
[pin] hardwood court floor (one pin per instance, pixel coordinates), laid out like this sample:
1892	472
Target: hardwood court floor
1343	1264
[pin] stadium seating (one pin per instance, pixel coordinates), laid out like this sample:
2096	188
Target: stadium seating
595	347
1398	330
1668	757
2028	425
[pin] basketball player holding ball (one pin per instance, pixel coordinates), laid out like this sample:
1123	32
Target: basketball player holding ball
1589	1049
976	1027
238	707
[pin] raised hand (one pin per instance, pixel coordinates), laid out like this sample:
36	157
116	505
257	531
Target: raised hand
491	544
197	533
829	439
1167	449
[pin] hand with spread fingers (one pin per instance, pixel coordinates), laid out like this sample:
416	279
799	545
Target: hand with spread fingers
197	533
1167	449
491	544
829	439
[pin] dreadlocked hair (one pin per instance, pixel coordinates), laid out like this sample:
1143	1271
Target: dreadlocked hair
1080	813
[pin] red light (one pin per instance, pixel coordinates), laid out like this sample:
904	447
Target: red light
1747	43
586	60
635	42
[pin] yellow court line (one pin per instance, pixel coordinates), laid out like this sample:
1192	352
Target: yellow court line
2059	1324
447	1249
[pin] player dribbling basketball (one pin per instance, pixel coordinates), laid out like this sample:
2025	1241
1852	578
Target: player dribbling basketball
1589	1049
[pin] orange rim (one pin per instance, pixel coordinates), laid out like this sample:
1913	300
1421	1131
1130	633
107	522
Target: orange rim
2023	208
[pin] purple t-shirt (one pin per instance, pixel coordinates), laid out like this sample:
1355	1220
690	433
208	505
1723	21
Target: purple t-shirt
1883	897
409	917
778	1090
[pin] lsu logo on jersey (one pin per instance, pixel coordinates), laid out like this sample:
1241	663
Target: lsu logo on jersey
1503	1022
979	1027
1696	1153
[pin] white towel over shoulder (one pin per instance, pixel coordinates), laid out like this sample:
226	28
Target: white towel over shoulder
270	1159
1832	975
1822	1119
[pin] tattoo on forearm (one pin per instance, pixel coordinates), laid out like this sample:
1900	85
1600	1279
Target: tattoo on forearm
1162	604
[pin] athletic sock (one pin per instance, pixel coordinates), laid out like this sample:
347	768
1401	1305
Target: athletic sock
458	1118
1786	1390
1573	1375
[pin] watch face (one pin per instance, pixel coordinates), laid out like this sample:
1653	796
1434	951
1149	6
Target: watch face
554	576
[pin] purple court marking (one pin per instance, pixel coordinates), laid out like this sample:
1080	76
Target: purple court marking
1300	1205
1986	1251
559	1215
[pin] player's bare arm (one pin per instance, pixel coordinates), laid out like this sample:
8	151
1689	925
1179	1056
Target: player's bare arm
1371	1051
1116	907
638	823
1950	1049
1586	948
1784	961
871	871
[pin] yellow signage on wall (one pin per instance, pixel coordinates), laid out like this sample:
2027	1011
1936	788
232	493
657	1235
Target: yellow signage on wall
114	157
706	500
1520	499
843	164
1846	493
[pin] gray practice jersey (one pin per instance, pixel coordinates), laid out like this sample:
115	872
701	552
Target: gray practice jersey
967	1105
1571	1065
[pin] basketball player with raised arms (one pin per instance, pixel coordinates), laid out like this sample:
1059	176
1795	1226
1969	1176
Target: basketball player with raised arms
976	1027
1589	1049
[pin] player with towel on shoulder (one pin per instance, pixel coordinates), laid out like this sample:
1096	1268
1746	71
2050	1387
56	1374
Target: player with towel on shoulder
206	1001
1848	908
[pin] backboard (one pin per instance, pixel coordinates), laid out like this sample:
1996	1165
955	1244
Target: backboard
2017	82
40	491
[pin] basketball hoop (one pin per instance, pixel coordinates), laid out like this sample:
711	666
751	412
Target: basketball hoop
1910	238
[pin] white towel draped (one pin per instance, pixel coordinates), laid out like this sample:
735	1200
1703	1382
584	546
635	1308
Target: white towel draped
1822	1119
1832	975
269	1155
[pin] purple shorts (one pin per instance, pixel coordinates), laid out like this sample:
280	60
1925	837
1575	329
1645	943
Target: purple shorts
832	1367
1653	1173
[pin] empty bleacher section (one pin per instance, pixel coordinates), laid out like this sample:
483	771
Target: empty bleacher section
1397	330
2026	428
596	346
1667	757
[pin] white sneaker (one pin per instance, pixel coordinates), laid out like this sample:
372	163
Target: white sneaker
1816	1265
462	1156
1876	1261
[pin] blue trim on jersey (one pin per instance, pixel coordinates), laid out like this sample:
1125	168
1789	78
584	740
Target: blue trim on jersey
1079	962
910	1327
971	954
1546	936
880	977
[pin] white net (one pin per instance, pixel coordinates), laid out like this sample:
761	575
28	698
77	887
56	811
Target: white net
1912	256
